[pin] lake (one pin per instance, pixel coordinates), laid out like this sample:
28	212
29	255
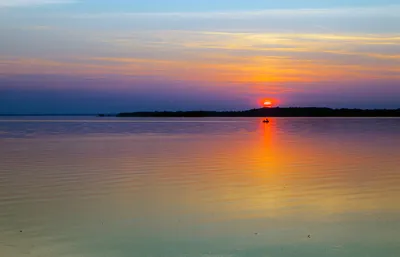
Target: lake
212	187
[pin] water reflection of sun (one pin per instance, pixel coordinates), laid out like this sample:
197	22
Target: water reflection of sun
268	130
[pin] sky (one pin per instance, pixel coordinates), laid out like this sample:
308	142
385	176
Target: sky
92	56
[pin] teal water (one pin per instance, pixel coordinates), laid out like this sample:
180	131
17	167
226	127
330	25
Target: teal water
301	187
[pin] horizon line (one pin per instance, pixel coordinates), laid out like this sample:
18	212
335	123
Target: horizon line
198	110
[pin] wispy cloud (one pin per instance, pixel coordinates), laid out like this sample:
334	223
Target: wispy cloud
380	19
25	3
392	10
364	48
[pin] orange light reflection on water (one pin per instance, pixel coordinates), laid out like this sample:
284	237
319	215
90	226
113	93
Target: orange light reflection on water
268	171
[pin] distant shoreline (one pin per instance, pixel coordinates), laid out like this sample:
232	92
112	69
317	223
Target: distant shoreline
46	115
261	112
269	112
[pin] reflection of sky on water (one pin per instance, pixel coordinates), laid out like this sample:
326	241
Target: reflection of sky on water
201	188
45	126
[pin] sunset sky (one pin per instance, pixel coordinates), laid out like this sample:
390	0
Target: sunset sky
89	56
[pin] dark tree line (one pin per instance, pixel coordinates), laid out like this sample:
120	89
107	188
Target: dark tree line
273	112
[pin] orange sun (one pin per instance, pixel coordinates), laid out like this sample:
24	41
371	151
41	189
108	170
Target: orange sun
267	103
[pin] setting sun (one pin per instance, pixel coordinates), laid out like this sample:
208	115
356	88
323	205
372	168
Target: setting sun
267	103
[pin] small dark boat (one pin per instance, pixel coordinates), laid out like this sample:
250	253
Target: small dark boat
266	121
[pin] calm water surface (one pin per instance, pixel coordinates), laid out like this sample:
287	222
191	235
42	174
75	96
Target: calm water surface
301	187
